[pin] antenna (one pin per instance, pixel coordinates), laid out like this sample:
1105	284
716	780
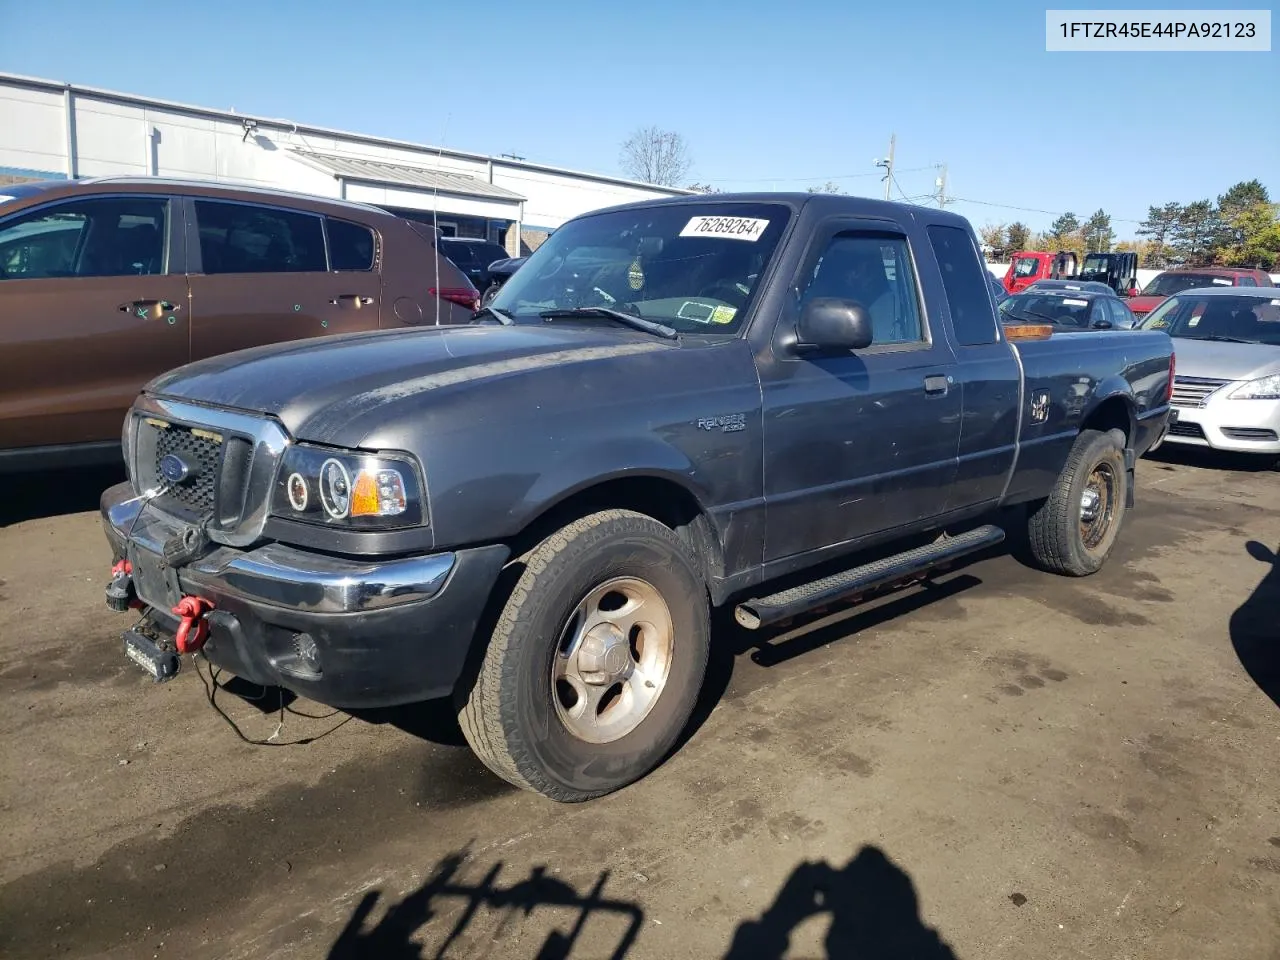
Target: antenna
435	207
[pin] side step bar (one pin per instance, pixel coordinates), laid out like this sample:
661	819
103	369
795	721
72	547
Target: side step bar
763	611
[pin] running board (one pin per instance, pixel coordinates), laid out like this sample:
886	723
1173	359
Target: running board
762	611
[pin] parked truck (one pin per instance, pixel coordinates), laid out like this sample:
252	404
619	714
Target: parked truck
766	403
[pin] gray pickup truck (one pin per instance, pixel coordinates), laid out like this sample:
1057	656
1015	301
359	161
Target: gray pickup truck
768	402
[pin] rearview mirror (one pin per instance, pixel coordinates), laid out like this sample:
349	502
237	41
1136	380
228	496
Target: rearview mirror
832	323
649	247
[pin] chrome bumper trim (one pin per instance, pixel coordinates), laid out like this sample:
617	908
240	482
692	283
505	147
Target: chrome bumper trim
284	576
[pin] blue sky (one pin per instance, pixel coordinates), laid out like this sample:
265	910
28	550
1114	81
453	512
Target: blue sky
769	95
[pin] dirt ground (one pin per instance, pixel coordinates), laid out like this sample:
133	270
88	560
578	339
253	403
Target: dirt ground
1004	765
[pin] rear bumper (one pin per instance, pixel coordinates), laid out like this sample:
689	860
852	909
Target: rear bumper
349	633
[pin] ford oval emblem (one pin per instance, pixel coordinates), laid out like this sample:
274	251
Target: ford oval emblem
173	468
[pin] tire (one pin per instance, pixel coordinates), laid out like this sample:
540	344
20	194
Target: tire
1060	535
490	292
517	715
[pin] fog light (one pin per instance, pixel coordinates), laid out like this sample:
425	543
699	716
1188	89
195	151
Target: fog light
308	652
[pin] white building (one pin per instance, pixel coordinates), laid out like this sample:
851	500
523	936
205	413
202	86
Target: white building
58	130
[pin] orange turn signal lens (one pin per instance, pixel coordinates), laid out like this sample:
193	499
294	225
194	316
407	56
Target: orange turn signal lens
378	493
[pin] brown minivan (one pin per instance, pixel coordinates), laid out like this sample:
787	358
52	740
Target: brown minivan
107	283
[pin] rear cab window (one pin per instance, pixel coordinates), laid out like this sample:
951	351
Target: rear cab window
964	278
248	238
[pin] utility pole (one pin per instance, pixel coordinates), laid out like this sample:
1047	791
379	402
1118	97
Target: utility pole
942	187
888	166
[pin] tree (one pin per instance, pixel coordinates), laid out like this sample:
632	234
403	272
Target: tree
992	236
1257	232
1097	233
656	156
1160	226
1064	233
827	187
1018	235
1244	205
1194	234
703	188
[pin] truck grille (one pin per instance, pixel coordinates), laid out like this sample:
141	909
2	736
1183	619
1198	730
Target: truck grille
1194	391
198	494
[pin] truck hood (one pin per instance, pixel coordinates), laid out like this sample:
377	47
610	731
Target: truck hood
314	386
1225	361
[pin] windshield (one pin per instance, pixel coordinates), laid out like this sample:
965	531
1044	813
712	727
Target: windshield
1167	284
1251	319
1038	308
1026	266
693	267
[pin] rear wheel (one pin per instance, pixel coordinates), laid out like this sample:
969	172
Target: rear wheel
1075	529
596	661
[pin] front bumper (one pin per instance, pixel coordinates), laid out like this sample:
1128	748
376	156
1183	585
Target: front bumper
1240	426
348	633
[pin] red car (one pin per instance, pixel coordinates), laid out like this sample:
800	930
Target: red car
1175	281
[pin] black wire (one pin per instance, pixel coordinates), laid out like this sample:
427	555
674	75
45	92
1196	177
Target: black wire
211	695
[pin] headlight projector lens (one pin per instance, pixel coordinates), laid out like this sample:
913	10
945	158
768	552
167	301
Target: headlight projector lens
298	493
335	489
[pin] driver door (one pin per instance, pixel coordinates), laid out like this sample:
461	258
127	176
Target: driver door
860	442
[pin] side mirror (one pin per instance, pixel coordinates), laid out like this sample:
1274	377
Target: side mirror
832	323
1101	324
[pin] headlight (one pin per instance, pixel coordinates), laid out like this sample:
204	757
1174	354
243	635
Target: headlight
353	490
1264	388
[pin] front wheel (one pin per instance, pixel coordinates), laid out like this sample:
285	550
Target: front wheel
1075	529
596	660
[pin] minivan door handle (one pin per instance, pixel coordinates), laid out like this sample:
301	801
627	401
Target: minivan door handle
353	298
937	385
144	309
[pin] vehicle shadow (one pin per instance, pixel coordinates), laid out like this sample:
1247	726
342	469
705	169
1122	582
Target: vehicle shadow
1171	455
54	493
446	892
872	903
1255	629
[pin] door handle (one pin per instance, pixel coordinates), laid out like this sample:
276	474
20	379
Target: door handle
142	309
937	385
354	298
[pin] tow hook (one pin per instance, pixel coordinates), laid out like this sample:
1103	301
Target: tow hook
193	631
120	593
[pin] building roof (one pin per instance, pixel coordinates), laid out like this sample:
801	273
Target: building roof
376	171
116	96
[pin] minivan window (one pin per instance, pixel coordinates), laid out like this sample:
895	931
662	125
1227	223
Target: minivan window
351	245
246	238
964	279
94	237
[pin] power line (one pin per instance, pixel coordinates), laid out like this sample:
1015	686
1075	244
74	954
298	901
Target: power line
843	176
1008	206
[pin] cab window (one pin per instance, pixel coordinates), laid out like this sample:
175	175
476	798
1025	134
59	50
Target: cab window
874	270
98	237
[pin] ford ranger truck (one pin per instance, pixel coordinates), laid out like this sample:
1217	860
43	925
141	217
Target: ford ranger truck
673	406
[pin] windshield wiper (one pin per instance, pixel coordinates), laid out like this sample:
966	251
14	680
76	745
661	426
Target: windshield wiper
1023	314
504	317
629	319
1220	339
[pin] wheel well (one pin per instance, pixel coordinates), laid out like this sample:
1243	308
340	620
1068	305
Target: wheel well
1112	414
665	500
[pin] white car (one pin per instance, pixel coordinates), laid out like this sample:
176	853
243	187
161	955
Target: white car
1227	386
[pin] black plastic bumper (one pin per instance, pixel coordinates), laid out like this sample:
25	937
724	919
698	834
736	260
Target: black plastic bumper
364	646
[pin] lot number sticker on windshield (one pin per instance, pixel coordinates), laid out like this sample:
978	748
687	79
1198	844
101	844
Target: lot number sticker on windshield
727	228
1221	282
1075	303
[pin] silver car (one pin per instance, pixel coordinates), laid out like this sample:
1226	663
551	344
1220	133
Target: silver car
1227	385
